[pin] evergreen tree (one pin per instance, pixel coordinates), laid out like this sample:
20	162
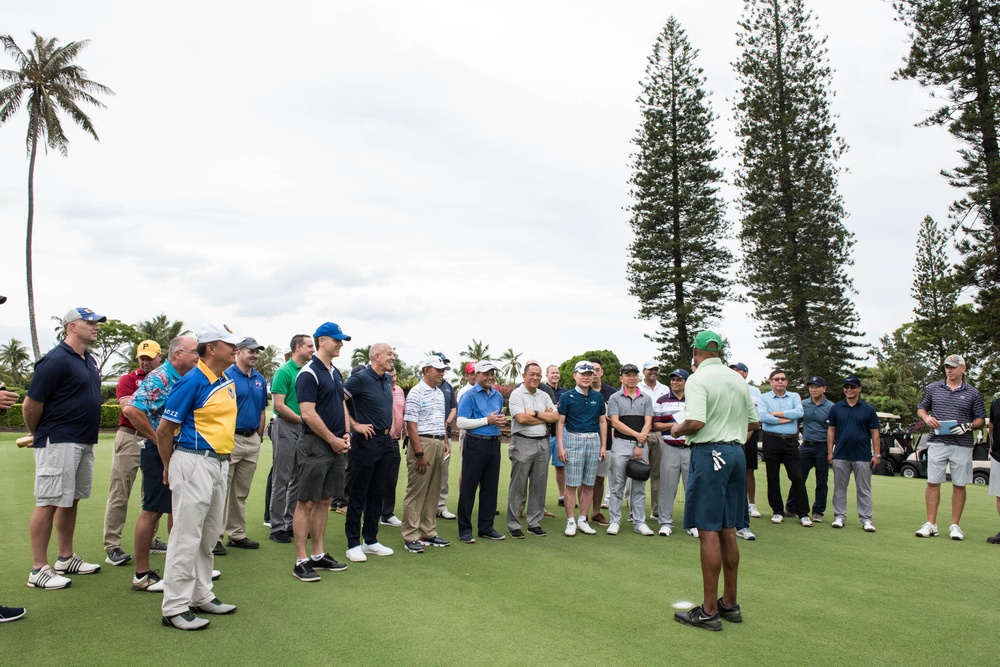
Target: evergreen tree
679	265
935	327
796	249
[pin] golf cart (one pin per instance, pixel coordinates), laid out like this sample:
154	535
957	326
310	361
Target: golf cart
896	443
915	466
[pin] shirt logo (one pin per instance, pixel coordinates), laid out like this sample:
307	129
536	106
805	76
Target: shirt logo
231	394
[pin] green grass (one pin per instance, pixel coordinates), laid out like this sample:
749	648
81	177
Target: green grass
810	596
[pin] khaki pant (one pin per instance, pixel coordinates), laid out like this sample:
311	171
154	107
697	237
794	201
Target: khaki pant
421	501
242	466
124	466
655	446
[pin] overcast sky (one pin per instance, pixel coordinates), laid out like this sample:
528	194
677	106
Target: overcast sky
420	173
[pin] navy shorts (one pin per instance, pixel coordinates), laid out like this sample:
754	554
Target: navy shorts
554	452
716	487
750	450
155	494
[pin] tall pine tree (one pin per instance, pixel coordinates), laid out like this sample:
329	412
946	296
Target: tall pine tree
936	324
679	262
796	250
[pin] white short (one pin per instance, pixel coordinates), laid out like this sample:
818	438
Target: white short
994	489
940	456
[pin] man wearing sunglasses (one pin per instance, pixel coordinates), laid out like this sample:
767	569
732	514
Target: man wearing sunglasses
853	447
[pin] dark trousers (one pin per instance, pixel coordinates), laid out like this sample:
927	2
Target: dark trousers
371	461
389	502
814	455
480	469
267	497
779	451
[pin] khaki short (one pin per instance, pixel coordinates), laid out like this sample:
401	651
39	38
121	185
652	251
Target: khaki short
64	473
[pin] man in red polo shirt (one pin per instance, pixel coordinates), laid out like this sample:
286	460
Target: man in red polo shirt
125	459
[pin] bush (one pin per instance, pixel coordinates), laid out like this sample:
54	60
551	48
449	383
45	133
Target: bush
110	415
609	362
13	419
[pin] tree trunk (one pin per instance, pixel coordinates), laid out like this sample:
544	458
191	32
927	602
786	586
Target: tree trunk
27	249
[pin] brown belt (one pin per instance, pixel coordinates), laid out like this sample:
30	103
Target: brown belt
128	430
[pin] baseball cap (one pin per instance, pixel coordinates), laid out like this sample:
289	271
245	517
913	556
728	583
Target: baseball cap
740	366
652	363
434	361
485	367
85	314
331	330
679	372
954	360
442	357
629	368
3	299
249	344
852	381
819	381
706	338
213	332
470	367
583	367
147	348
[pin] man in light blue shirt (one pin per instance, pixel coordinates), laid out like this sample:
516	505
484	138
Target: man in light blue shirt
780	412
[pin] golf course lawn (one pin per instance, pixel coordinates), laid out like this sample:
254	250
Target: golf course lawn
810	596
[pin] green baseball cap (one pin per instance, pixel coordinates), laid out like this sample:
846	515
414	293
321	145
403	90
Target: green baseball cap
705	338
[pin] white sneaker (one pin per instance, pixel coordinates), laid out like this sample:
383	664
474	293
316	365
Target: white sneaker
666	531
584	527
754	512
869	527
356	554
215	575
928	530
806	522
376	549
75	565
393	521
746	534
955	532
570	528
445	514
837	523
777	518
643	529
693	532
47	578
613	528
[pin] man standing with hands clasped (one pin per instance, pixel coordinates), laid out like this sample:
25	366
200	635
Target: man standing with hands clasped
532	411
718	413
853	447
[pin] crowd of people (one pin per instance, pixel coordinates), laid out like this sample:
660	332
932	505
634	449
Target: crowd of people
194	421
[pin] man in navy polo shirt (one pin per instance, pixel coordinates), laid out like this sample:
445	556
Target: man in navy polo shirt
373	454
955	401
581	435
322	450
853	447
251	402
480	415
813	451
63	413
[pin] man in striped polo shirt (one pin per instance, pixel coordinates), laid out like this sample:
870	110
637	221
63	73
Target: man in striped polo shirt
952	409
631	414
676	458
424	418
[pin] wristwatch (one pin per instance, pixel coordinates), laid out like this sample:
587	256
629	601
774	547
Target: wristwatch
536	414
419	455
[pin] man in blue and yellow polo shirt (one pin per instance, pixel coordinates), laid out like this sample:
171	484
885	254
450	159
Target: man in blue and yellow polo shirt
198	425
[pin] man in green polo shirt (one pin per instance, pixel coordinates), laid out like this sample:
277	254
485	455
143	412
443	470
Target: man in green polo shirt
285	434
718	414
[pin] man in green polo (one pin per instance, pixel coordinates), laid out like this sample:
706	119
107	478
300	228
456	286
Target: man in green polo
718	414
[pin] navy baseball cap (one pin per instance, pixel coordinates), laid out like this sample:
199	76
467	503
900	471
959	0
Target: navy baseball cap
629	368
440	355
331	329
819	381
740	367
679	372
85	314
852	381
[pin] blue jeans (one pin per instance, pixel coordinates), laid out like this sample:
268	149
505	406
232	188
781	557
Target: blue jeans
814	455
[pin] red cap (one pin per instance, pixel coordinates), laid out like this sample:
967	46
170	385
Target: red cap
470	367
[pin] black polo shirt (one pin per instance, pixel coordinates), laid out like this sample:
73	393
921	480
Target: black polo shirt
369	398
323	386
70	387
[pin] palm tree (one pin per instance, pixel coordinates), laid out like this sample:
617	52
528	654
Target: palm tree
511	364
477	351
15	359
53	84
360	356
269	361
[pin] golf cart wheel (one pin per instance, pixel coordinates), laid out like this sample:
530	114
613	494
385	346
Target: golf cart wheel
980	478
908	472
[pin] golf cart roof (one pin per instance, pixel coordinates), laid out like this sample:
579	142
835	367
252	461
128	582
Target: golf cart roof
887	415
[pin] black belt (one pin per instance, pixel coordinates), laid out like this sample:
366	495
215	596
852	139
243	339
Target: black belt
783	436
532	437
245	433
432	437
208	453
622	436
381	431
482	437
678	445
813	442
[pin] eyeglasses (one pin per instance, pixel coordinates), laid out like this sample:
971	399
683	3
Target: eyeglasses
776	379
189	351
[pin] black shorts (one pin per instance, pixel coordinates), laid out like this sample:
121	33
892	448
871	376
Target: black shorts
750	450
155	494
319	469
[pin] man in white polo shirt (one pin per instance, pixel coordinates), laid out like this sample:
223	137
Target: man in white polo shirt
531	411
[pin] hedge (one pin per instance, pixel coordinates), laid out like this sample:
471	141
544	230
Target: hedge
14	420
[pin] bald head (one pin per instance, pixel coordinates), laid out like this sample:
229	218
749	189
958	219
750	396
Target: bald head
381	357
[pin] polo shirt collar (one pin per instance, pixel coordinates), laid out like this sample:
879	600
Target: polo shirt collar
480	388
638	392
578	390
212	377
171	372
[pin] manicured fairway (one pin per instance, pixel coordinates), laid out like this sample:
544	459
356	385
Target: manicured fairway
812	596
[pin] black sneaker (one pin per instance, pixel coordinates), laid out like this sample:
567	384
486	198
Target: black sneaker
218	549
537	530
466	537
280	536
517	534
994	540
414	547
243	543
697	618
305	572
327	562
731	614
562	502
117	557
10	613
158	546
491	534
435	541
